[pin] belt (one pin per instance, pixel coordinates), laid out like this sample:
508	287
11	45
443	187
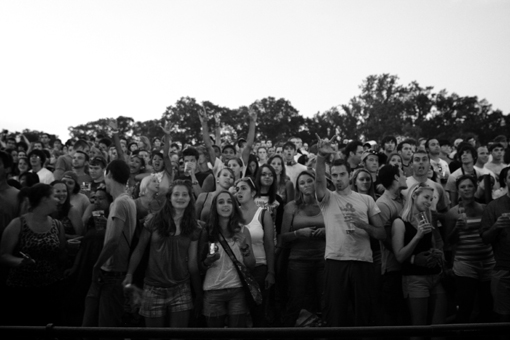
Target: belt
112	274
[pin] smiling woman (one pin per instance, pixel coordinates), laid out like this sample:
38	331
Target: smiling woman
32	246
171	235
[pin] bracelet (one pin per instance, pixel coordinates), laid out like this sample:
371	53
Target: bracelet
205	265
295	234
115	131
244	249
194	183
412	259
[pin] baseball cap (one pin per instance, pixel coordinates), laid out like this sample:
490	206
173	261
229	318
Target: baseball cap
368	153
98	160
71	175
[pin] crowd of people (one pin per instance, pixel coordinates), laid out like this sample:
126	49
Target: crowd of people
114	231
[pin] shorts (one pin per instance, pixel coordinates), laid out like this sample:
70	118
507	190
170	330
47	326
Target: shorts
500	287
479	270
422	286
228	301
157	301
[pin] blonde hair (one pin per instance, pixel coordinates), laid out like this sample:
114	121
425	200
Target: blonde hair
414	191
145	183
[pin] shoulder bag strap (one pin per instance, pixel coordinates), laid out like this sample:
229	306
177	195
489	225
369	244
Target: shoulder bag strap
229	252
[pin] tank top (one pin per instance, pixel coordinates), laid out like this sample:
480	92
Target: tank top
423	245
44	248
307	249
223	274
257	238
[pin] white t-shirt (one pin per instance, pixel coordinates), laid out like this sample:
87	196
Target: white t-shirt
341	246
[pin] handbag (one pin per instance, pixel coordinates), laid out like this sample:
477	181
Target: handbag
249	284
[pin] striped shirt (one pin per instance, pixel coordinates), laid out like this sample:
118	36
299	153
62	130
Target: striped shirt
470	246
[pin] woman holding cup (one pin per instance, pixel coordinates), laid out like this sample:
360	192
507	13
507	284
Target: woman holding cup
418	246
473	260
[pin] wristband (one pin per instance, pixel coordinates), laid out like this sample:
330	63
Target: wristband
412	259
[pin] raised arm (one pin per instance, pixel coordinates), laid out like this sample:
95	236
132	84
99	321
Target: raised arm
166	148
112	123
324	149
205	134
251	136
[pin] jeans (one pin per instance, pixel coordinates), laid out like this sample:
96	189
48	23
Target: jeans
305	289
104	303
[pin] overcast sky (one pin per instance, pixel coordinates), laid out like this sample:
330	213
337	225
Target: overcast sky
65	63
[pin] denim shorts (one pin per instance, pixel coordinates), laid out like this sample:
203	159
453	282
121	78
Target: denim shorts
479	270
157	301
421	286
228	301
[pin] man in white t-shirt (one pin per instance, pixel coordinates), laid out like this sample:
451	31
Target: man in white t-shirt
439	166
37	160
350	220
292	168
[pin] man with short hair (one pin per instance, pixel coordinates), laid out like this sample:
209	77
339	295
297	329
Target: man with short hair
191	171
388	145
292	168
496	164
370	161
439	166
10	143
96	170
350	220
421	166
391	204
37	158
445	150
353	152
406	149
65	163
105	299
45	140
79	162
496	231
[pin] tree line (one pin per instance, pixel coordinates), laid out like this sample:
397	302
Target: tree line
383	107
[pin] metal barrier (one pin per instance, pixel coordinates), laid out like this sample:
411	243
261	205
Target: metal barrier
451	330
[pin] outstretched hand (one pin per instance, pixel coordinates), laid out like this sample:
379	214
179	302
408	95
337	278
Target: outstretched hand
324	147
112	123
202	114
252	113
167	128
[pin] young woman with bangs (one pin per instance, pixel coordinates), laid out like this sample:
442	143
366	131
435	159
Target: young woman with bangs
172	235
224	294
224	182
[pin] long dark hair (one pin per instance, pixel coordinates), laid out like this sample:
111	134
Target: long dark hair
252	158
300	202
272	188
163	221
234	223
63	210
282	180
